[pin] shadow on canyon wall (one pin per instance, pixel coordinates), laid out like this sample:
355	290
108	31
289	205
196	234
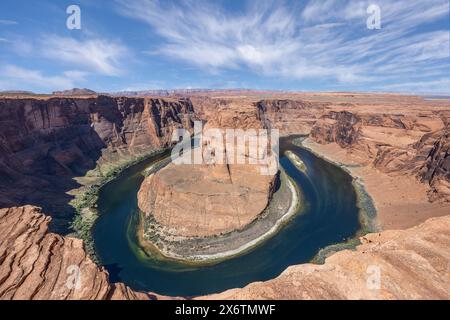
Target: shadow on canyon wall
46	144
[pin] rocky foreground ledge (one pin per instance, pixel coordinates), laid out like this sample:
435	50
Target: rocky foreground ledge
36	264
413	264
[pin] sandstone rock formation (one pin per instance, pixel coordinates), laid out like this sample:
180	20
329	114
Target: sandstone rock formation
413	264
36	264
340	127
415	144
196	201
210	198
44	143
436	169
290	116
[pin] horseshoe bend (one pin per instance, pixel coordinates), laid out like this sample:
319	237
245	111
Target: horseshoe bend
213	200
88	187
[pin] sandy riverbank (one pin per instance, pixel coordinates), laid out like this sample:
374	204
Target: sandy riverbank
401	200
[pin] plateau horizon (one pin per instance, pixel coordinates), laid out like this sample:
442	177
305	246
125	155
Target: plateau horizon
218	146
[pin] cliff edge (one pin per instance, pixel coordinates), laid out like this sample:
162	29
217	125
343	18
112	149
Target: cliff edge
411	264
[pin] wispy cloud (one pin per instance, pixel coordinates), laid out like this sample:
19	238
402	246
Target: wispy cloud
437	86
94	55
77	59
76	75
322	40
13	77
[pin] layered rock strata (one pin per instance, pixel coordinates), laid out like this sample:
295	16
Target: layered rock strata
290	116
436	169
407	264
45	143
412	264
394	144
213	198
38	265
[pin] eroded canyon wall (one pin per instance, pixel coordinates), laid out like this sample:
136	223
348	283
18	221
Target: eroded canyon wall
396	144
45	143
412	264
37	264
290	116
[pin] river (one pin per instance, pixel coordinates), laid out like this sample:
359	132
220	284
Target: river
329	215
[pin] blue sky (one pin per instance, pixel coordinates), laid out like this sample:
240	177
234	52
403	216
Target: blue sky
285	45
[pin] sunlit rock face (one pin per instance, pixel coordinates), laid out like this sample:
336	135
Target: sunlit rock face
37	264
214	197
290	116
414	144
411	264
342	128
436	170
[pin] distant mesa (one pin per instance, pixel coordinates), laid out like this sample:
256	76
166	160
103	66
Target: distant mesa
75	92
162	93
190	92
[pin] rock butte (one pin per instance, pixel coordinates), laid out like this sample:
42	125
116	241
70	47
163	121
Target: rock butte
209	199
398	144
196	201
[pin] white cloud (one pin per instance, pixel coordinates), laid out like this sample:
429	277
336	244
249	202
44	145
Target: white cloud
319	11
325	40
434	86
94	55
22	47
14	77
203	35
79	58
76	75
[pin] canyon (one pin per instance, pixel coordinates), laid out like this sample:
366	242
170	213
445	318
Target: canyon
53	148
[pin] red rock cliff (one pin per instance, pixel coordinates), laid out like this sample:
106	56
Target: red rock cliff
45	143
